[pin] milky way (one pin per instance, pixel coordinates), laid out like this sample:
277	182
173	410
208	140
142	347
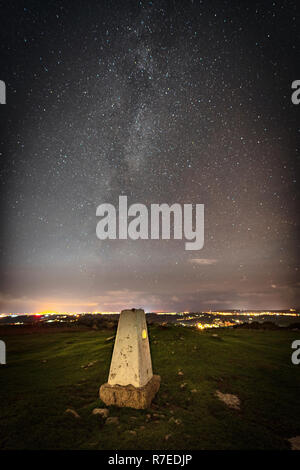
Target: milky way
164	102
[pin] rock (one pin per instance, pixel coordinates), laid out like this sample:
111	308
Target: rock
215	335
182	386
90	364
72	412
103	412
295	442
112	420
175	421
194	390
167	437
230	400
110	338
180	372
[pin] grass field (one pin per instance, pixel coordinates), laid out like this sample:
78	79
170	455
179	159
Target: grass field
44	376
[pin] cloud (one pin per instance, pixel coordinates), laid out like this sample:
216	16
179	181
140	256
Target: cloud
203	261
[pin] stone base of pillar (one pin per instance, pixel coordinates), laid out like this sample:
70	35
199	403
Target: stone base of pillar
130	396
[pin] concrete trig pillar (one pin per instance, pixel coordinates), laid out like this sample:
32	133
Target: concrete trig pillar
131	382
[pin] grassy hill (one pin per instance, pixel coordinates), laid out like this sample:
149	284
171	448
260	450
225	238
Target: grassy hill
52	370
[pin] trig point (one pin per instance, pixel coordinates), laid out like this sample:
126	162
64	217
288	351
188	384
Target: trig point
131	382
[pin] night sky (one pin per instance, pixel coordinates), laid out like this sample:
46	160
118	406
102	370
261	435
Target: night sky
164	102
